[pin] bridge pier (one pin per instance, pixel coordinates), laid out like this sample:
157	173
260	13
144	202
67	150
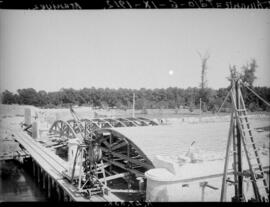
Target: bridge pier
66	197
38	175
58	193
53	196
52	189
43	175
49	187
34	170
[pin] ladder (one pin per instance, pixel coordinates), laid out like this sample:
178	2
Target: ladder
240	133
256	173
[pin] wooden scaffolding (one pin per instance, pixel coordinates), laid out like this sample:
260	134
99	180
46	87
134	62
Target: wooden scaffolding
243	145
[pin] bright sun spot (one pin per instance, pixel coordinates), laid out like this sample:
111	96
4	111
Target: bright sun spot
171	72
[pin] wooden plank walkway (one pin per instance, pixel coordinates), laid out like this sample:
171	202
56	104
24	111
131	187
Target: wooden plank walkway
54	166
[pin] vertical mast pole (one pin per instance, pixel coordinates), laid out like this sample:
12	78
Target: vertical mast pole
238	142
133	106
227	156
200	106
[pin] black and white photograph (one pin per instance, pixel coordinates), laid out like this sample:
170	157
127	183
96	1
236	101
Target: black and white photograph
134	105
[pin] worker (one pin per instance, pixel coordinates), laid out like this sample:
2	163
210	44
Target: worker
36	115
192	154
96	153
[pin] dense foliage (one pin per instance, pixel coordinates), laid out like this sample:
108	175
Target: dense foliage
170	98
145	98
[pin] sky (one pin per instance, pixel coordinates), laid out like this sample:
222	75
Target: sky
50	50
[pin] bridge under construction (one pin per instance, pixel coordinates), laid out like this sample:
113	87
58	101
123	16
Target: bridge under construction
111	159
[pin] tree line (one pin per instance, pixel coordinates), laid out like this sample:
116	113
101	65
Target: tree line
169	98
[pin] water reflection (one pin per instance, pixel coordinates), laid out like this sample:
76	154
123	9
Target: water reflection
16	184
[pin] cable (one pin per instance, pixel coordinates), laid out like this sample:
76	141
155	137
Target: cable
224	102
268	104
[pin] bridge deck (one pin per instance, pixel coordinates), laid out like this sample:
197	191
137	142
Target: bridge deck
54	166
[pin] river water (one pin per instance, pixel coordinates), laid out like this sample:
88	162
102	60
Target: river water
16	184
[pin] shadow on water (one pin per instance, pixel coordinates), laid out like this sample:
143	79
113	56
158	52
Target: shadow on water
16	183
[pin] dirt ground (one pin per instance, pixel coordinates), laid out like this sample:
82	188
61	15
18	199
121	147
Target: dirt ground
210	132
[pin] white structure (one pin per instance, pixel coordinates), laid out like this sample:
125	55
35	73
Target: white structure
72	149
27	116
35	130
178	182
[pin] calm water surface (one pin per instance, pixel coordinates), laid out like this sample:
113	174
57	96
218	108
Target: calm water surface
16	184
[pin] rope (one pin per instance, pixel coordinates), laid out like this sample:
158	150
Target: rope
224	101
268	104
